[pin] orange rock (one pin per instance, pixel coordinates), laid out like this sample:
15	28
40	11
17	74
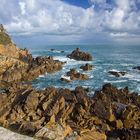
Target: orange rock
92	135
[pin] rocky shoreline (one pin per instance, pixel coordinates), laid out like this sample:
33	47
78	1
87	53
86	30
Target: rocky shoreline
52	113
62	114
18	65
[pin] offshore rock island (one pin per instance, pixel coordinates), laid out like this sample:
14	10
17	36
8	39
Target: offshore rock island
57	113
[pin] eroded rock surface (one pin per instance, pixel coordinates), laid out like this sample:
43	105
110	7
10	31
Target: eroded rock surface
62	113
18	64
79	55
74	75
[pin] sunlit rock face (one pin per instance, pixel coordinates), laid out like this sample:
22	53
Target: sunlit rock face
60	113
19	65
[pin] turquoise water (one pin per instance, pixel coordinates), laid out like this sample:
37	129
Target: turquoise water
105	58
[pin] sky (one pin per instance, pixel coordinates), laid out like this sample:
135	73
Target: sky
72	21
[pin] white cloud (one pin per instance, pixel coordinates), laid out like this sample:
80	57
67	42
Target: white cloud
97	1
22	7
54	17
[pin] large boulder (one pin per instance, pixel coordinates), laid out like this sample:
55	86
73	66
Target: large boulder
79	55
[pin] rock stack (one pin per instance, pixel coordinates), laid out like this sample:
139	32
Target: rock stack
79	55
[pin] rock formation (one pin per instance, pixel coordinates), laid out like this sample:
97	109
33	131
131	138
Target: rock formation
74	75
117	73
110	114
62	113
19	65
86	67
79	55
138	68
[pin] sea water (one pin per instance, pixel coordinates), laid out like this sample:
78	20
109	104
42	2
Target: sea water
105	58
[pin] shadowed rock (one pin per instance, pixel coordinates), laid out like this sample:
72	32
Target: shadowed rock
138	68
79	55
117	73
74	75
86	67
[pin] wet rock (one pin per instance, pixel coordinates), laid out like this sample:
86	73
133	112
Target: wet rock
138	68
52	50
64	79
117	73
74	75
86	67
62	51
79	55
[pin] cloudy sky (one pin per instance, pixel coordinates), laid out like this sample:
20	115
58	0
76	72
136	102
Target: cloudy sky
72	21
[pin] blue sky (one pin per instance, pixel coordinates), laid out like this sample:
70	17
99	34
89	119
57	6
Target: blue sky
72	21
81	3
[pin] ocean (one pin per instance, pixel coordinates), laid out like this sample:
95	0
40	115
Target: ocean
105	58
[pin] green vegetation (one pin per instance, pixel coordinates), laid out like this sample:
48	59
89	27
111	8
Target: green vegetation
5	38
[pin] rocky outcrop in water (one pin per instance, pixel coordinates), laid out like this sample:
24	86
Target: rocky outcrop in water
74	75
62	113
79	55
86	67
117	73
138	68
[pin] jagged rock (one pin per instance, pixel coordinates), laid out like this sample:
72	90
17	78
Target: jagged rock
117	73
86	67
124	134
19	65
74	75
130	116
79	55
118	124
31	111
92	135
60	113
55	131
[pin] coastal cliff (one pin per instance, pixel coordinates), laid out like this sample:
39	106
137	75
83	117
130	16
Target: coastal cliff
19	65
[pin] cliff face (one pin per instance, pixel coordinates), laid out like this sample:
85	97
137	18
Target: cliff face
8	48
18	64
